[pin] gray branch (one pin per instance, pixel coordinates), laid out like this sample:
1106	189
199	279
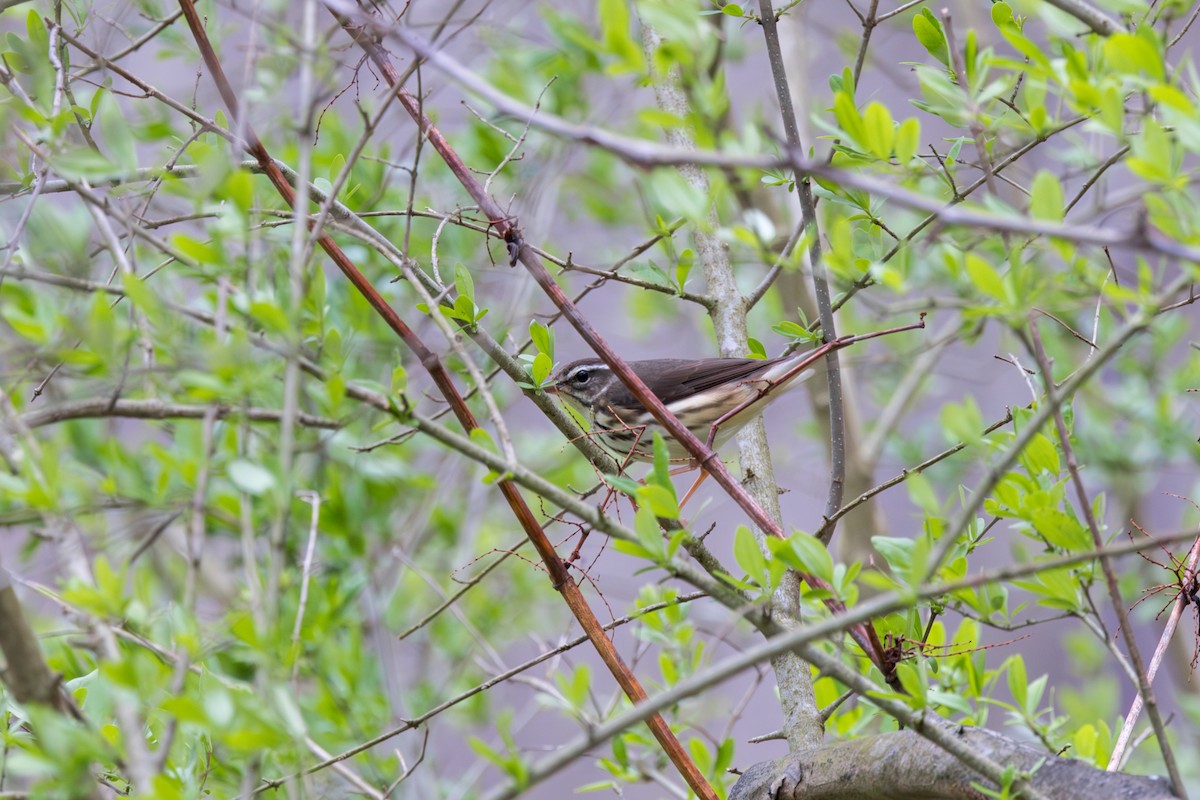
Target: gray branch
905	766
1089	15
156	409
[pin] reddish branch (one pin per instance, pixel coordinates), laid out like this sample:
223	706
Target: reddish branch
705	457
429	360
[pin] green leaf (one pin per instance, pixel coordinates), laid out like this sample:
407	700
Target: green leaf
921	491
908	140
1132	54
84	163
645	525
1061	529
896	552
750	556
249	477
1047	197
963	421
795	331
684	266
540	368
1152	153
140	294
811	555
270	316
913	681
985	277
1170	96
239	187
879	130
117	135
465	309
399	380
200	252
1018	685
848	118
672	194
661	474
1002	15
928	29
627	486
661	501
843	82
542	337
614	28
1040	455
464	283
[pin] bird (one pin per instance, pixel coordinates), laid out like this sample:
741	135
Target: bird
697	391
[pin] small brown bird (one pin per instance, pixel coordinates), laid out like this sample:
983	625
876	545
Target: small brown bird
698	391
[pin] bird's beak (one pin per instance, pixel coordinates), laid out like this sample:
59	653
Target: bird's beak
551	389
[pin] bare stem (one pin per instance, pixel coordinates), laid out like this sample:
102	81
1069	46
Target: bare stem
1145	690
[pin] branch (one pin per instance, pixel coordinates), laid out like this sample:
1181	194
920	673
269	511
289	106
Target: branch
808	214
1181	602
801	716
555	567
103	407
1089	15
645	154
704	456
26	672
1138	323
901	766
1145	690
800	638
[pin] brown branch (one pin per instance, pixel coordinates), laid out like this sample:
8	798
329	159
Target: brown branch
555	567
958	60
868	609
728	311
703	456
869	23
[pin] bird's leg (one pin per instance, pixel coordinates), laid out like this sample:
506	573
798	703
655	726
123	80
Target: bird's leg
688	494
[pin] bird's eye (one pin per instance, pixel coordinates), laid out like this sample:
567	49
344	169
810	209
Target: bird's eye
582	377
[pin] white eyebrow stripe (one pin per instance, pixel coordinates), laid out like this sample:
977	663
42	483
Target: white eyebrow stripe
588	368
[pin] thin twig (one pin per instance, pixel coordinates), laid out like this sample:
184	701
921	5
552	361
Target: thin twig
875	607
868	27
555	567
972	110
1145	690
1182	601
808	213
306	570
